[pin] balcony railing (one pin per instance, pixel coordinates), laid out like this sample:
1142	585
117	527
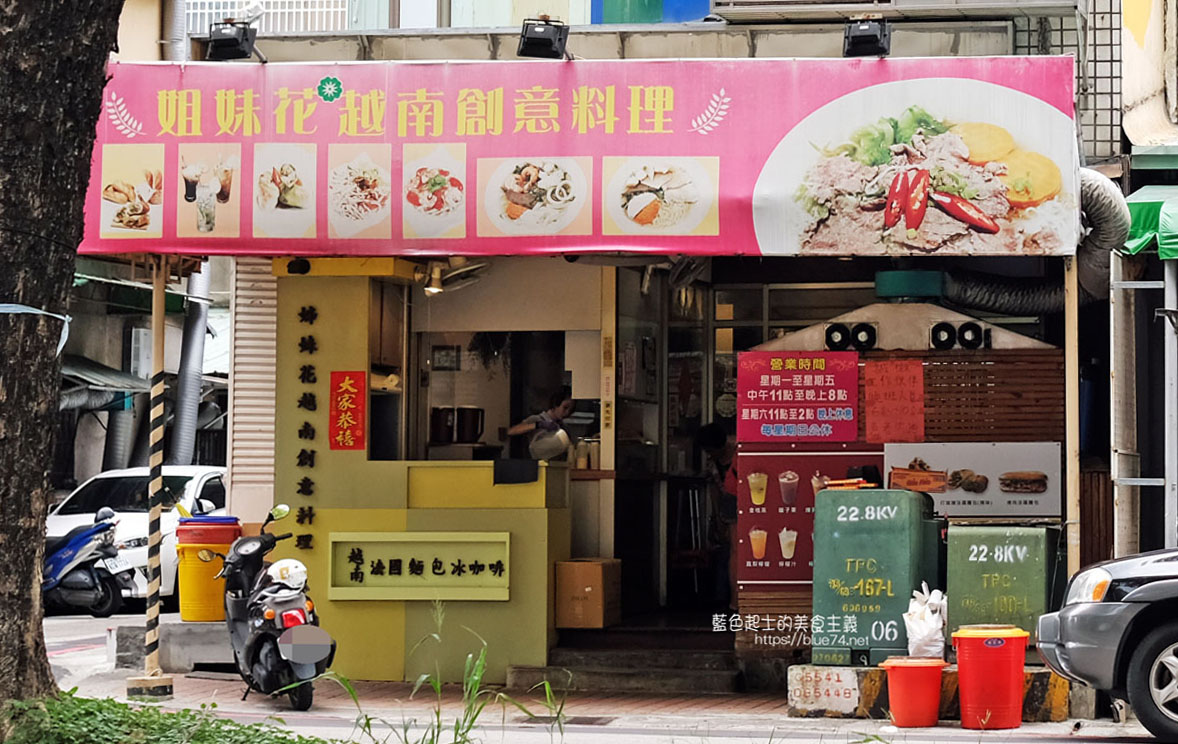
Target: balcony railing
280	17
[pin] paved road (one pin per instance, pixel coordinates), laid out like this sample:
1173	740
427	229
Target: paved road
78	654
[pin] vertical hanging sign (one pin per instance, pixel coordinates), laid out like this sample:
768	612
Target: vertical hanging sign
347	410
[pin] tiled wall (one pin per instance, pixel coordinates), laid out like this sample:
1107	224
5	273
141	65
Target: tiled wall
1098	79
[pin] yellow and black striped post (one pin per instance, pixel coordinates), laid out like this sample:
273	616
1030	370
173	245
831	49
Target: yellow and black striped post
154	683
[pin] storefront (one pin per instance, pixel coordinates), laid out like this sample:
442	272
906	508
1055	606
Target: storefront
577	195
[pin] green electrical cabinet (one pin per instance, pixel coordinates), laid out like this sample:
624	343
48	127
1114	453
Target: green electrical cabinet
872	549
1003	575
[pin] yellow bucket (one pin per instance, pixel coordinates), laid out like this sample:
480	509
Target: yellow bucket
202	597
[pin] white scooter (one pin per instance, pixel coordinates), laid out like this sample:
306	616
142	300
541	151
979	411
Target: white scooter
277	642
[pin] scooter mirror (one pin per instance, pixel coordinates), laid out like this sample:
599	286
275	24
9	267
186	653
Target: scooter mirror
206	555
280	511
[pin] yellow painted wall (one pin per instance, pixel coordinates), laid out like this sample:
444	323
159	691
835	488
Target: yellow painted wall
517	632
369	635
139	31
353	494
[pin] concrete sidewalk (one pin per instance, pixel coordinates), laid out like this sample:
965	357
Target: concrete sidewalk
593	718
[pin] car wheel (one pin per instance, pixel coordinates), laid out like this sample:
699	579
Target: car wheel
1153	682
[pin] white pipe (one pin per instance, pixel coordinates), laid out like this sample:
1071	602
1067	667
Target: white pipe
1171	440
1125	460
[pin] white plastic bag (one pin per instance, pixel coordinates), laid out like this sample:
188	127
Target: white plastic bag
925	622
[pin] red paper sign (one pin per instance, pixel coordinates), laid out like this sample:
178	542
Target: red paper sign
775	518
797	396
349	400
894	401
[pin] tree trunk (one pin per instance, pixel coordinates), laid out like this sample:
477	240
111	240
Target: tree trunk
53	56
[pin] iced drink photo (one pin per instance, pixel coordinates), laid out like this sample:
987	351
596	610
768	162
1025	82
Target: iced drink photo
789	542
757	537
191	174
789	487
225	182
818	482
757	484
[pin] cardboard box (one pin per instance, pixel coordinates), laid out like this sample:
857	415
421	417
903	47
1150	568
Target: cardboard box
588	593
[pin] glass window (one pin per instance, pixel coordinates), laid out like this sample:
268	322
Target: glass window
214	491
124	494
741	338
386	350
738	304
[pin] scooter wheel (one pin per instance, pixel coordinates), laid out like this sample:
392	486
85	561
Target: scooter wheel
302	696
111	600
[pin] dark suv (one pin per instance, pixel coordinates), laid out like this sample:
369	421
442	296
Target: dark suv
1118	632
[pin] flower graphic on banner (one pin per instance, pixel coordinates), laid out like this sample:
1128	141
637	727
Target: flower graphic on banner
330	88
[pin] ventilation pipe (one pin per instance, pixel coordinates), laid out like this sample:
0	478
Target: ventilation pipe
1106	215
85	399
119	426
189	377
175	31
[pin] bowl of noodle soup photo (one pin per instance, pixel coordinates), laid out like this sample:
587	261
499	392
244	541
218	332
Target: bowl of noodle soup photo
358	194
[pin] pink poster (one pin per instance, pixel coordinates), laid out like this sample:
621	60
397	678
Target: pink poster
966	156
797	396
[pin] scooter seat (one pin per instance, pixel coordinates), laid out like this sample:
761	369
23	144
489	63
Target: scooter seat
53	544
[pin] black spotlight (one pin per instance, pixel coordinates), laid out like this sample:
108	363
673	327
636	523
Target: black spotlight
543	38
867	38
970	335
838	337
943	336
864	336
298	266
232	40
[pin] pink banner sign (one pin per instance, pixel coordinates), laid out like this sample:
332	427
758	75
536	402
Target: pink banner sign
966	156
797	396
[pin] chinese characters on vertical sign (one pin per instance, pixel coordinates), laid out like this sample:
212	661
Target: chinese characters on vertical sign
893	400
345	427
797	396
307	404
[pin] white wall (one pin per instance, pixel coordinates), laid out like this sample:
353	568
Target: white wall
472	385
516	294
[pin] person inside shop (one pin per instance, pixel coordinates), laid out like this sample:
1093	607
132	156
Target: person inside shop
547	438
721	453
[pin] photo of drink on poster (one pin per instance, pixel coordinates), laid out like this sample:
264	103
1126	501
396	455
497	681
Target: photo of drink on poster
210	190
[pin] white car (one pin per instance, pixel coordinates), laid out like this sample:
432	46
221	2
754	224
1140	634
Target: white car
198	489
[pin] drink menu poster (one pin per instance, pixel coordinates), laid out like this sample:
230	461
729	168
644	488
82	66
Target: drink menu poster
775	511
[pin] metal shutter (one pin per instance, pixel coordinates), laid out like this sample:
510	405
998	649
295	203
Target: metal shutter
251	389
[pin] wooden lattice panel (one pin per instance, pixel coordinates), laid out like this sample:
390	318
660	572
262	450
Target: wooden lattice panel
987	395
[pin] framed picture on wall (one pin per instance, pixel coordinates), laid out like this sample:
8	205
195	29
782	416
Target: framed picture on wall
446	358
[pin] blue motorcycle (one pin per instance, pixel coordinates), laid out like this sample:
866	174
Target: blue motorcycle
75	572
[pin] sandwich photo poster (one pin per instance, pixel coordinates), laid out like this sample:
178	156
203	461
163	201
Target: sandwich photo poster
987	479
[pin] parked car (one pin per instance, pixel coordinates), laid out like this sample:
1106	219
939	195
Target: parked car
1118	632
198	489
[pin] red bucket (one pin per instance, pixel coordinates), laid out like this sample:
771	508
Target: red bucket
208	530
914	690
990	677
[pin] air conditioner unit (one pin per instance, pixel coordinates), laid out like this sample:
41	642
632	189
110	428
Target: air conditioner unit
811	10
139	348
